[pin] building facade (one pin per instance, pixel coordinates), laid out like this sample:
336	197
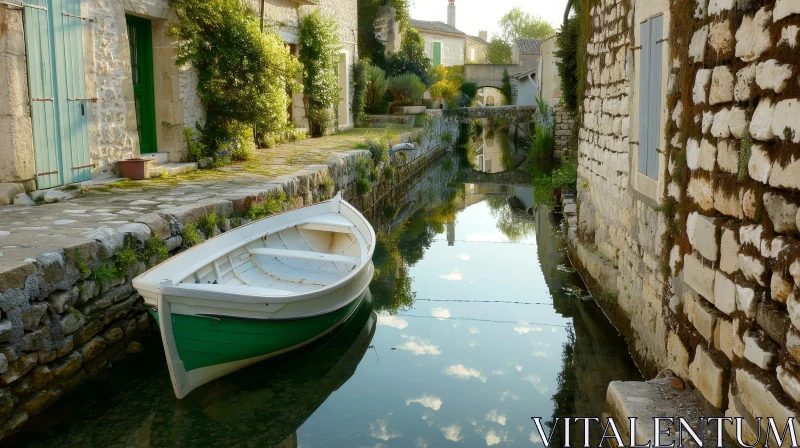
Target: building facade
67	122
444	44
687	192
476	48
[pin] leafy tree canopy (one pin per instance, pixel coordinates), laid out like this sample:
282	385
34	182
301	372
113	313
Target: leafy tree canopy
498	51
517	24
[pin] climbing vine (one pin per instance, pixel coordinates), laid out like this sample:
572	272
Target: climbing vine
319	54
245	75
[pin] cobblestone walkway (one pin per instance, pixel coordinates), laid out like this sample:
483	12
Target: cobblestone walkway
26	233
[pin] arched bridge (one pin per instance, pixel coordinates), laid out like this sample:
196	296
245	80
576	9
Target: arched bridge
515	114
488	75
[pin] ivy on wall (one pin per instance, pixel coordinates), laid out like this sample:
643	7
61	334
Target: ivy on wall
319	54
245	75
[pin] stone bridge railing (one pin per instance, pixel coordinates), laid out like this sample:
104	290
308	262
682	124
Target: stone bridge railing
515	114
488	75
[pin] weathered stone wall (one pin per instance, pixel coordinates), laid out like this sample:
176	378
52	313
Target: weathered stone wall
564	126
619	230
734	121
112	119
58	325
700	267
16	141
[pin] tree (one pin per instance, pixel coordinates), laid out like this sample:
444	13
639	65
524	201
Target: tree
568	54
411	58
319	54
517	24
506	89
498	51
244	74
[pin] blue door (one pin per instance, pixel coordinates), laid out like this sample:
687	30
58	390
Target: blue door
54	46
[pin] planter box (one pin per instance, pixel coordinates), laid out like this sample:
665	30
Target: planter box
135	169
408	110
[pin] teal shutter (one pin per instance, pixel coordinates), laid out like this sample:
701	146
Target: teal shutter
654	91
437	54
644	95
650	95
54	44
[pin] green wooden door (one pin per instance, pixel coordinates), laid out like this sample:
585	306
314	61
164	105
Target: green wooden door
54	44
437	54
140	40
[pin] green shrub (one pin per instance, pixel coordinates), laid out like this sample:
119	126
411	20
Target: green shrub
505	89
127	256
379	148
542	143
245	74
388	172
377	85
319	54
411	58
407	89
363	186
470	89
270	207
326	186
191	237
208	224
81	264
359	83
155	247
238	144
570	61
105	272
195	148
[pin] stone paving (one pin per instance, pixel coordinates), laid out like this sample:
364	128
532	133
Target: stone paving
28	232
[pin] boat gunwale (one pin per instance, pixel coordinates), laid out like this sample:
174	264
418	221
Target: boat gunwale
172	288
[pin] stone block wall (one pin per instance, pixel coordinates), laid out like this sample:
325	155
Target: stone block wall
701	271
734	169
16	144
618	239
58	325
564	125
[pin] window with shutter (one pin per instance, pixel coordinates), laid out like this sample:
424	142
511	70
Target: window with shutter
650	95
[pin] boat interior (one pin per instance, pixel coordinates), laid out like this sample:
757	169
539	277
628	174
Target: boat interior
299	259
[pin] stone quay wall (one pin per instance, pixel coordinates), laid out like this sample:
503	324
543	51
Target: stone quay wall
701	266
60	326
564	126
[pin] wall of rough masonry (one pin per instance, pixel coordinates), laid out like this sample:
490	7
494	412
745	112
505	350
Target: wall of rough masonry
700	267
564	125
734	117
58	325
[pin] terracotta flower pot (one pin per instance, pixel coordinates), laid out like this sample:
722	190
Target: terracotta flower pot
135	169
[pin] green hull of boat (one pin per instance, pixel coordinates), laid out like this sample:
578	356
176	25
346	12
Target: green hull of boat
204	341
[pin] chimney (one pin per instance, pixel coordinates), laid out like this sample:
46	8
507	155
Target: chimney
451	13
484	35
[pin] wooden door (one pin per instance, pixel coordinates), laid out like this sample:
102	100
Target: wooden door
140	41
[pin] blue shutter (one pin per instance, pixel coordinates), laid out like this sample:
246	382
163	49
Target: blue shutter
644	80
54	46
654	106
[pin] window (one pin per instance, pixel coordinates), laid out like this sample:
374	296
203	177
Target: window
490	101
437	54
650	95
472	54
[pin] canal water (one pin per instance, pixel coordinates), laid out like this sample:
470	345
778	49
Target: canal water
477	322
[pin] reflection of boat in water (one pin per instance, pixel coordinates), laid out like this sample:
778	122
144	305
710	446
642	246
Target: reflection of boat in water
261	406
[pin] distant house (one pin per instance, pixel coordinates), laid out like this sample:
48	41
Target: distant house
549	81
526	53
476	48
444	44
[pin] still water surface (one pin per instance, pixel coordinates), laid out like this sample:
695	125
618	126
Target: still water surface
477	323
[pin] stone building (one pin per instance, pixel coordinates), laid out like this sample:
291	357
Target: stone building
476	48
526	53
66	122
444	43
550	92
688	192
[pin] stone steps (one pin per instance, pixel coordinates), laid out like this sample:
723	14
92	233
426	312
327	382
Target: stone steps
172	169
158	158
